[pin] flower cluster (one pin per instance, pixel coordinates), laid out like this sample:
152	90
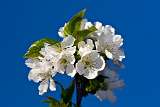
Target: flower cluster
85	50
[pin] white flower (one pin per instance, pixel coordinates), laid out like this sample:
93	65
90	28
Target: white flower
66	60
62	55
43	87
42	71
67	42
44	68
90	64
84	48
49	53
109	94
112	82
66	46
66	63
108	42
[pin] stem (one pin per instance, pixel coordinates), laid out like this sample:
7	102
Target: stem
79	91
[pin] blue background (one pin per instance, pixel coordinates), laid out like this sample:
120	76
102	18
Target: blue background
25	21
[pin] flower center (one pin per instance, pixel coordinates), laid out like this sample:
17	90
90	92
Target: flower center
64	61
88	64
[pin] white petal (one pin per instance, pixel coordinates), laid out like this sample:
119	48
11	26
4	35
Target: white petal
53	72
68	41
52	85
52	50
85	48
43	87
68	57
49	52
45	66
91	55
60	68
90	44
71	59
84	51
105	36
70	70
102	95
109	30
116	84
61	32
70	50
80	67
118	54
98	46
99	64
85	24
32	63
117	40
34	75
81	44
42	51
122	55
88	25
108	54
90	74
98	25
121	58
96	63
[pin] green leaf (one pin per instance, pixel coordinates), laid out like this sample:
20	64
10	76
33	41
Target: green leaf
75	23
82	34
95	84
52	102
33	51
67	93
55	103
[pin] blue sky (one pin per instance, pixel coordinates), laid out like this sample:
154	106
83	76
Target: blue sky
25	21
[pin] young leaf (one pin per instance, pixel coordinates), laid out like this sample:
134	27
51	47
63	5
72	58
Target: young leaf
55	103
74	24
93	85
33	51
52	102
82	34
